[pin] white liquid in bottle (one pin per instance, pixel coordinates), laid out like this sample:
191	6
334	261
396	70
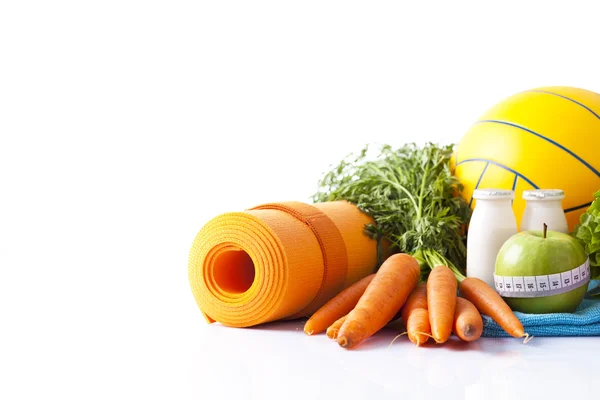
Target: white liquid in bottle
492	223
544	206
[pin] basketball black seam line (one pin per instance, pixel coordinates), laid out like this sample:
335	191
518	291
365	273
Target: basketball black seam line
479	181
568	210
517	174
514	187
560	146
566	98
503	167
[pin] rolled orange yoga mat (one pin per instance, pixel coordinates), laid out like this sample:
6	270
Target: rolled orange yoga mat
278	261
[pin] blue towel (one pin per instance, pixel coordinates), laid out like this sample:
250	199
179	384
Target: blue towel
585	321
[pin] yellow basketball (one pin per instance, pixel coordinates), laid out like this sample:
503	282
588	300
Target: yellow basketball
546	138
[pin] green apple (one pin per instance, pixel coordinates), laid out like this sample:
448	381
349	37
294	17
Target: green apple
531	253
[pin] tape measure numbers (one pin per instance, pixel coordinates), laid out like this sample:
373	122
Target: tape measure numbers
543	285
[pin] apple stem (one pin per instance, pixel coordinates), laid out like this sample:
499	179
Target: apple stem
545	230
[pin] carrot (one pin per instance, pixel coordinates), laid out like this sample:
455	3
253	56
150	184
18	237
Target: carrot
417	326
441	302
337	307
489	302
417	299
468	324
415	315
383	298
332	331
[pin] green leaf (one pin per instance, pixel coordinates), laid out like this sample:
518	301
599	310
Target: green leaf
411	194
585	233
588	233
592	248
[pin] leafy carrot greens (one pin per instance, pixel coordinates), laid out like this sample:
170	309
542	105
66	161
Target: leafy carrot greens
413	198
588	233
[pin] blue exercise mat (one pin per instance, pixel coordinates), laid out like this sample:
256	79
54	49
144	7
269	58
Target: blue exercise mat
585	321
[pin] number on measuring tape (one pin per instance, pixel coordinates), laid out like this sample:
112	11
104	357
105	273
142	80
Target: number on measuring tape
530	284
587	267
542	283
518	283
566	278
554	281
576	276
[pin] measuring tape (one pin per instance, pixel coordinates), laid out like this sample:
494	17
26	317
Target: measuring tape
543	285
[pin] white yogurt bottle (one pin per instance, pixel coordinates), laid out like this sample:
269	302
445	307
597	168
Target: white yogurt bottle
544	206
492	223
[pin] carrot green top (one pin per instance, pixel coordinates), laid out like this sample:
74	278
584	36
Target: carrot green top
413	197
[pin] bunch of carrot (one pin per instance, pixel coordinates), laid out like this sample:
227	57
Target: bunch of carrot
430	309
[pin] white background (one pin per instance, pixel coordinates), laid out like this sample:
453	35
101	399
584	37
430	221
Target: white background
126	125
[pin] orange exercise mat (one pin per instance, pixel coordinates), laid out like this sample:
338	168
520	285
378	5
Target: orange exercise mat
278	261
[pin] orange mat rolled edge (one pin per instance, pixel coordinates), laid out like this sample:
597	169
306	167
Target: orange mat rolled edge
278	260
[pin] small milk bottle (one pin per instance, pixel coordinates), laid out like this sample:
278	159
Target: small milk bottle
544	206
492	223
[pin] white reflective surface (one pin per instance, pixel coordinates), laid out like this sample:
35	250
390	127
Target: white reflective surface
280	361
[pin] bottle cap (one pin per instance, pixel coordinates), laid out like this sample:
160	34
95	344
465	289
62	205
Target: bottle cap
543	194
496	194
